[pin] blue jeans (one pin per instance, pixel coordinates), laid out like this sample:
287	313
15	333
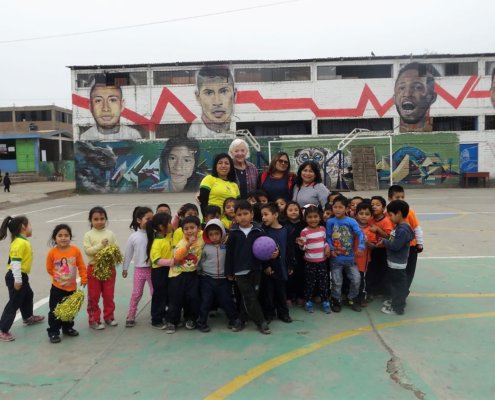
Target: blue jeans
337	267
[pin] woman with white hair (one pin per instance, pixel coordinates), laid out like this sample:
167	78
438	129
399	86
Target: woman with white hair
245	171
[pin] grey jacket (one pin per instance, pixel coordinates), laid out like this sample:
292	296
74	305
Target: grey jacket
212	262
398	246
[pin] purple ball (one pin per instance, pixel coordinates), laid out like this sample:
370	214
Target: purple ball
263	248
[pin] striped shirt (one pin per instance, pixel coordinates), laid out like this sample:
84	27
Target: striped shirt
314	243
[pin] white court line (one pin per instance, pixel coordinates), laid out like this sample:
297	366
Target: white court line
454	257
456	213
85	220
73	215
43	209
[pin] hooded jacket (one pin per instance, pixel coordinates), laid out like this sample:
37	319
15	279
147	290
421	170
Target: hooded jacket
212	261
240	255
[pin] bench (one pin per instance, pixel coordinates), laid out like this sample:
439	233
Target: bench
484	176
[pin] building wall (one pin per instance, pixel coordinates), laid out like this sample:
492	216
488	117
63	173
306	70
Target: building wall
165	111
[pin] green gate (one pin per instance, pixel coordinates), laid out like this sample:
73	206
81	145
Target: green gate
25	155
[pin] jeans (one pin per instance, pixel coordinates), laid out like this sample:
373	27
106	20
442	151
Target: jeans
220	290
249	287
338	267
398	288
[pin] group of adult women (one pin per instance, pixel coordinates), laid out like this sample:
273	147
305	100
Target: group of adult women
234	176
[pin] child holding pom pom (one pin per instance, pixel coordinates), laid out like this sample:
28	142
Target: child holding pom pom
95	241
63	263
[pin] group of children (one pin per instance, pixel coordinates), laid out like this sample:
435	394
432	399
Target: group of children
356	249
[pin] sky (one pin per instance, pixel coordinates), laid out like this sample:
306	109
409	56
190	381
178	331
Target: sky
34	72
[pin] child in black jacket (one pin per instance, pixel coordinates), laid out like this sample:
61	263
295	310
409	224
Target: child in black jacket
242	266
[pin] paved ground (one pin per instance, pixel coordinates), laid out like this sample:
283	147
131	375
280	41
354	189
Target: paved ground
442	348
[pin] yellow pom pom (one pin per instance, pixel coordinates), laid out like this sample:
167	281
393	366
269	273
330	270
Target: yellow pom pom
105	261
68	308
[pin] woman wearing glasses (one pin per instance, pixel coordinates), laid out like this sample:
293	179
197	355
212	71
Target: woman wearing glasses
277	181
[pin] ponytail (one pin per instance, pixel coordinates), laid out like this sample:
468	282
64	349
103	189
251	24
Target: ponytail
14	225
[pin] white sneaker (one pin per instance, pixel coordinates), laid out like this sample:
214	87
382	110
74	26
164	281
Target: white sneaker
111	322
388	310
97	326
387	303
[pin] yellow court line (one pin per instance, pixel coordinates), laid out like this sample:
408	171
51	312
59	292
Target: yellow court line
452	295
242	380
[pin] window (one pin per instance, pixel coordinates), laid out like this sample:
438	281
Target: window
325	72
489	68
282	74
489	122
113	79
336	126
461	69
177	77
279	128
63	117
455	123
5	116
164	131
38	115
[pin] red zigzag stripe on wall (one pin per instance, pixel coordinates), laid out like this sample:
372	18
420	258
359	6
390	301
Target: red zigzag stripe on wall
254	97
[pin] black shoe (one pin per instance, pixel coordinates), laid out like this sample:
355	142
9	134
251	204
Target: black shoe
355	305
55	339
286	318
71	332
264	328
203	328
336	306
236	325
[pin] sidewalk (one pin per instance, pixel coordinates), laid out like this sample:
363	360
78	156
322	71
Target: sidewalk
22	193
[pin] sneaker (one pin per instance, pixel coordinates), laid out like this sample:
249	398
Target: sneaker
130	323
390	311
264	328
190	325
308	306
55	339
71	332
387	303
204	328
286	318
159	326
336	306
97	326
355	305
6	337
33	319
326	307
169	328
236	325
111	322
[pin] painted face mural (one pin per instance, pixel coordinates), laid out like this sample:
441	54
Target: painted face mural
106	105
413	95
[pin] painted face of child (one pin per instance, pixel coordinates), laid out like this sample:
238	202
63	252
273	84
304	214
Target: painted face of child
215	236
377	207
363	216
268	217
190	230
293	212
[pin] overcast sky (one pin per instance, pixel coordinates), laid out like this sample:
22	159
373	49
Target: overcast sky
35	73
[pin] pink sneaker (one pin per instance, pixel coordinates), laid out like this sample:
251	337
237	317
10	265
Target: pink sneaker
6	337
33	319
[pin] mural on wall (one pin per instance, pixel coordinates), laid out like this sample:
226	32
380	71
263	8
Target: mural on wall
414	93
420	159
468	157
215	94
106	104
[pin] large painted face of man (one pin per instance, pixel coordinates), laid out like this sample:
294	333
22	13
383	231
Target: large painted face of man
106	105
412	96
216	98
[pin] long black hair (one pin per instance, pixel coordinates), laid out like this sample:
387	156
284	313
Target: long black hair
231	175
138	213
153	226
14	225
315	168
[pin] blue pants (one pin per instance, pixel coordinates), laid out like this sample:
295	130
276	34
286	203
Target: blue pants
216	291
337	268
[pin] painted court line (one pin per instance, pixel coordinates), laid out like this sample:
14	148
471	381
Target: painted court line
73	215
242	380
454	257
452	295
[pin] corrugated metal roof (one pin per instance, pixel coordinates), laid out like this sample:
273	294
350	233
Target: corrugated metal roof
415	57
